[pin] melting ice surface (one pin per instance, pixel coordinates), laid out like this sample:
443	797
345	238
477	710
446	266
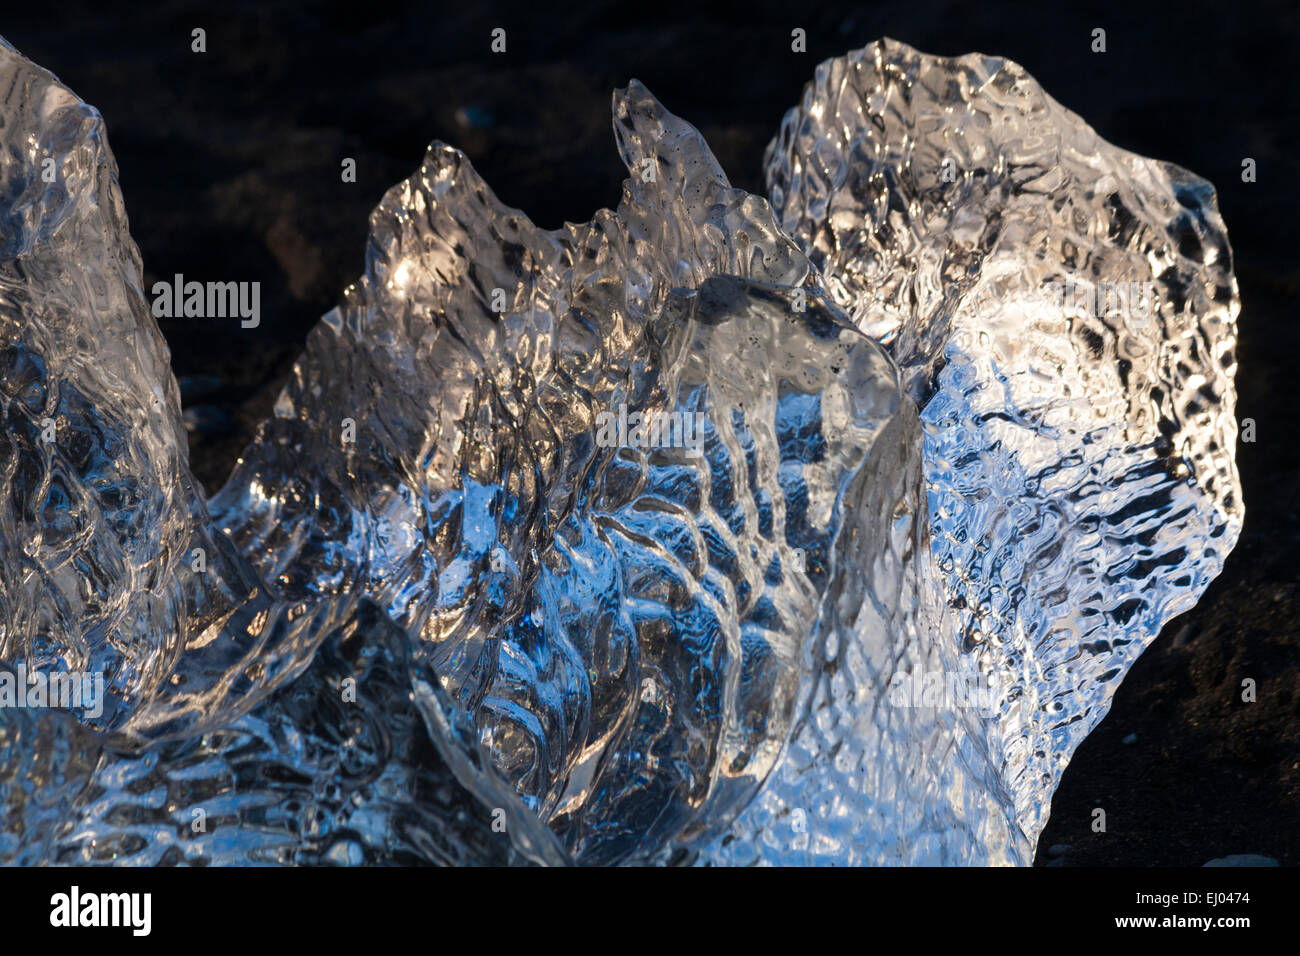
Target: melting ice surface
965	406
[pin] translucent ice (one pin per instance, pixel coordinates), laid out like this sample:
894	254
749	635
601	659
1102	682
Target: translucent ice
1064	313
458	573
624	624
317	774
110	564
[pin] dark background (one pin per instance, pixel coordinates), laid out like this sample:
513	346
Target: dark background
230	165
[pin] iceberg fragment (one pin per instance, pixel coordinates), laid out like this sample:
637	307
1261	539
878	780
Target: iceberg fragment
1064	313
625	624
110	564
627	532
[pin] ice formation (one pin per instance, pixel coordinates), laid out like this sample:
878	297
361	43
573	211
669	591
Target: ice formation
957	402
1064	314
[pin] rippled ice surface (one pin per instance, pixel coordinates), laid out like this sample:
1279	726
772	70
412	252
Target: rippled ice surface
434	616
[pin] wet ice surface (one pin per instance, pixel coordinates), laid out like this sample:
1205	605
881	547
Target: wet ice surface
440	616
1064	313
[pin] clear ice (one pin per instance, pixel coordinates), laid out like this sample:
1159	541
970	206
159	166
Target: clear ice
965	406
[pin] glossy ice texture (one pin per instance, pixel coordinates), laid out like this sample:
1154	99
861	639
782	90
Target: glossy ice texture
1064	313
454	606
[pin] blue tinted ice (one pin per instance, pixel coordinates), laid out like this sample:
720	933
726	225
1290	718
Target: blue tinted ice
1064	313
627	541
